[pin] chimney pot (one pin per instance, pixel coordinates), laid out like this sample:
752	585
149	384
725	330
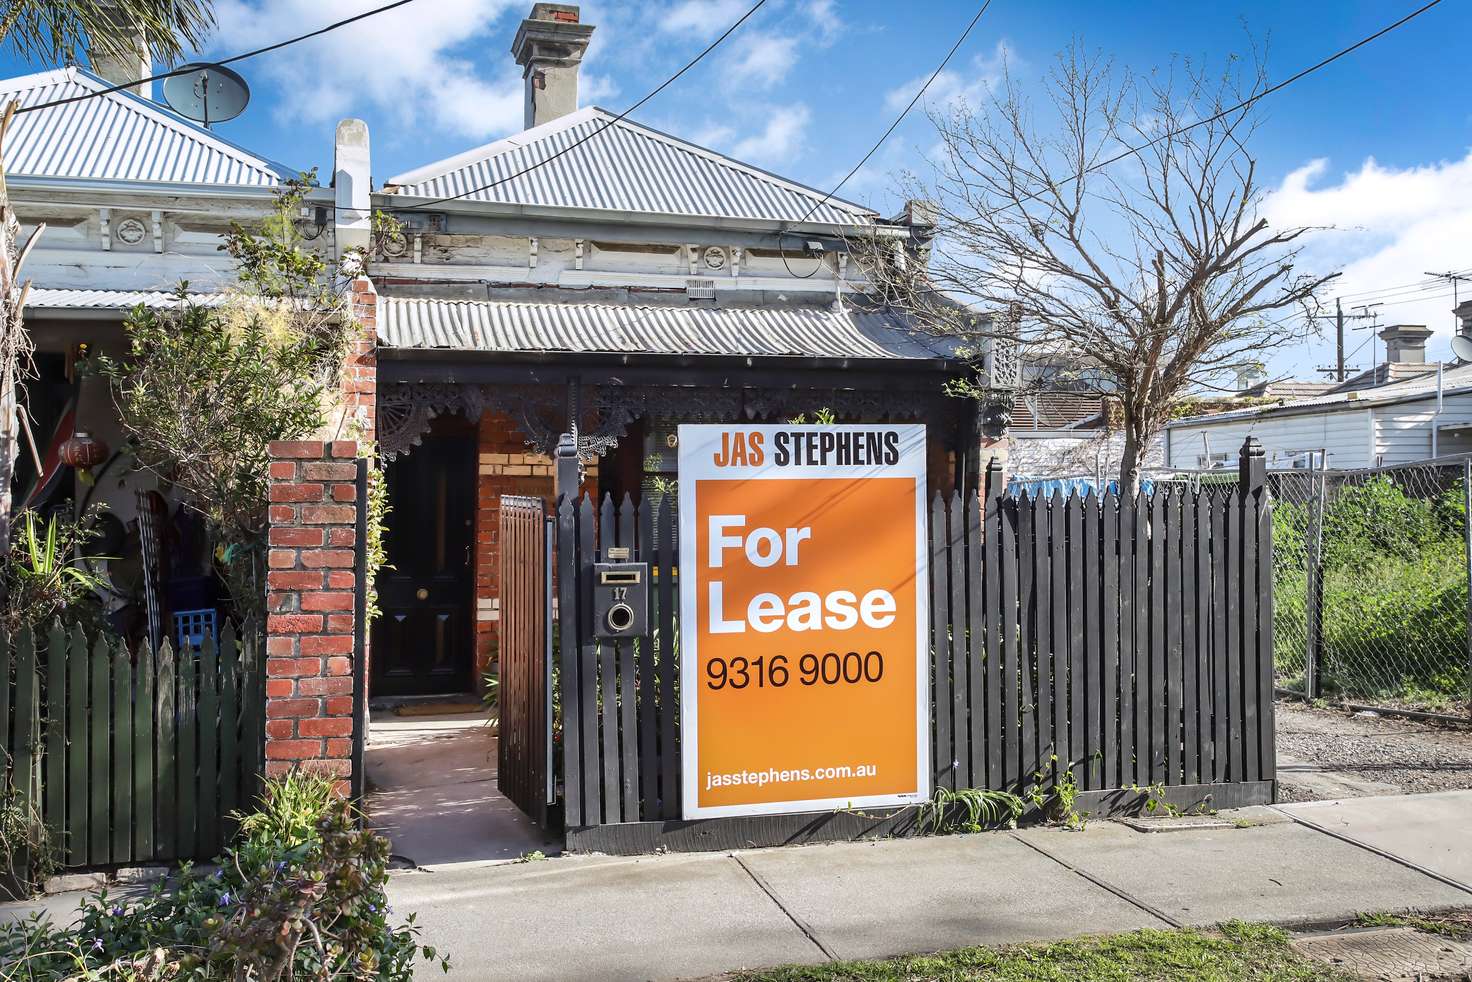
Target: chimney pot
549	46
1405	344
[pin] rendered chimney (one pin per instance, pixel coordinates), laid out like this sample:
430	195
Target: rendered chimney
135	62
549	47
1405	344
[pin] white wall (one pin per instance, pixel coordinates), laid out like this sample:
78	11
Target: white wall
1403	432
1070	453
1343	435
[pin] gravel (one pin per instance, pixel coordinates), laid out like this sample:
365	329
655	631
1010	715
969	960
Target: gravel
1410	756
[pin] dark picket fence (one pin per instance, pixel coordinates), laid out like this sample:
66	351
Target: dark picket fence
132	757
1130	639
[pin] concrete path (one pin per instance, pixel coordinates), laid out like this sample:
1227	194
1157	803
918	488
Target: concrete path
689	916
432	782
1433	831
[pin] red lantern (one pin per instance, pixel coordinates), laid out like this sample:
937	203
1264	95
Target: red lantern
83	451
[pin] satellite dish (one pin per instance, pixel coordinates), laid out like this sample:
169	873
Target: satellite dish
1462	347
206	93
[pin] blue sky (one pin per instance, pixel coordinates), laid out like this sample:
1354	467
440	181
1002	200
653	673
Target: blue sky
1376	145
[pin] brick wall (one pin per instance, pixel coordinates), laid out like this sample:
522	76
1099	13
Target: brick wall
360	373
310	601
506	466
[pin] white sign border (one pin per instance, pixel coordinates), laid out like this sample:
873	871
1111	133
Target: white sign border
693	465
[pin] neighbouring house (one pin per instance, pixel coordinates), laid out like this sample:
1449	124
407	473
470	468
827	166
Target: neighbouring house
1424	411
1057	434
136	200
631	282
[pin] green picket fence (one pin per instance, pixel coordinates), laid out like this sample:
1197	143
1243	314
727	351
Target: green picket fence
132	757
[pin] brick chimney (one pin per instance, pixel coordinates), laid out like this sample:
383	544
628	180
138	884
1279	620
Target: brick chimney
549	47
133	61
1405	344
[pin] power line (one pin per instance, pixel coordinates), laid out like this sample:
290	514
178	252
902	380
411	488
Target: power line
900	118
234	58
878	143
1251	100
582	140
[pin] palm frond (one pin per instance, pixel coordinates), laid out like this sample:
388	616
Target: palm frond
56	31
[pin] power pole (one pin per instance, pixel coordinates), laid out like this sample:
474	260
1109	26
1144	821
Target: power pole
1339	371
1339	338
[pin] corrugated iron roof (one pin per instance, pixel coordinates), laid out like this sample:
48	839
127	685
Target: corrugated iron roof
1453	380
53	299
506	326
118	137
626	167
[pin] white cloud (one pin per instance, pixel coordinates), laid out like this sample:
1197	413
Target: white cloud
409	62
762	60
701	18
953	88
1390	226
779	141
824	15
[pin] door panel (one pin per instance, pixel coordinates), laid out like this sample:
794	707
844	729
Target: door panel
423	642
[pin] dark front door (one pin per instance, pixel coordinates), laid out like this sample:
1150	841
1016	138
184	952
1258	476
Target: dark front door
422	642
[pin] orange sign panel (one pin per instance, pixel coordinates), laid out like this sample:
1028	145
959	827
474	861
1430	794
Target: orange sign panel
803	620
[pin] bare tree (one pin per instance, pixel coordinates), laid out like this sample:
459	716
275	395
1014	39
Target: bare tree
1124	239
54	31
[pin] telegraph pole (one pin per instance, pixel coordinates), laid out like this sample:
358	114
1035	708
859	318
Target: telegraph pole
1339	338
1339	371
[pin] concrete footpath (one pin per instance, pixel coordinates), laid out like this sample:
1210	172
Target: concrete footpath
692	916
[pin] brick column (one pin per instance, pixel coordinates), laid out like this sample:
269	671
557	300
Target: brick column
360	371
310	603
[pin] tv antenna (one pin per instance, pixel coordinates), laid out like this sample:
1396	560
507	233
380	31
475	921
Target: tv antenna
206	93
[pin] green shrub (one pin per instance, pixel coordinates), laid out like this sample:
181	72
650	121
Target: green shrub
1394	584
298	895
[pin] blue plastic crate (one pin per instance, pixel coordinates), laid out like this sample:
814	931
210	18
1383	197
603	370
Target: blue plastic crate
191	627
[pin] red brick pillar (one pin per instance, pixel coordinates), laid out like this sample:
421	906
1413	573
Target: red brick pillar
360	371
310	602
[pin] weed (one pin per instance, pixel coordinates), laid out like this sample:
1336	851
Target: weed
969	810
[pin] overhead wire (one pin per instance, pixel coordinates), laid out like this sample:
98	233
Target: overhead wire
1244	104
226	61
878	143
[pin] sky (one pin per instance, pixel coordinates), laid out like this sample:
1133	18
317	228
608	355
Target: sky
1375	150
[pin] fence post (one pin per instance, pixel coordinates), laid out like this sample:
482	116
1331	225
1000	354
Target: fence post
1314	601
1467	542
1252	467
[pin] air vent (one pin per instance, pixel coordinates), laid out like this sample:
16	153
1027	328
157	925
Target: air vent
700	289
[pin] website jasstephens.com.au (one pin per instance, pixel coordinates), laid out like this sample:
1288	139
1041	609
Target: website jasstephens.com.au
773	775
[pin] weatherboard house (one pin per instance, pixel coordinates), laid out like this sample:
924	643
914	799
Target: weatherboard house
588	270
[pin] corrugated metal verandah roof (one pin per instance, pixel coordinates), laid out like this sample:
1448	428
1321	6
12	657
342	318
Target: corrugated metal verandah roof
46	298
625	167
504	326
118	137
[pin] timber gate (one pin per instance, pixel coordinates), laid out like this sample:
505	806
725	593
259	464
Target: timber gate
1100	643
524	764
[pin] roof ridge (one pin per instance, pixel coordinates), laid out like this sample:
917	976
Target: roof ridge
726	160
151	112
443	169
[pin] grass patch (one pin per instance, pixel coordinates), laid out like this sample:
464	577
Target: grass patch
1236	952
1458	925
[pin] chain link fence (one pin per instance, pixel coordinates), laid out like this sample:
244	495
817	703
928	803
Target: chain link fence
1370	584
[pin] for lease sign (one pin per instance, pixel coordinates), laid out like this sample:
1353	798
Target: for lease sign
804	668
